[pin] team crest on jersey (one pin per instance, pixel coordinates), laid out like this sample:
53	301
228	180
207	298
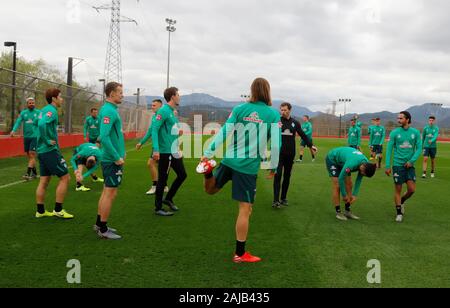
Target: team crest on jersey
158	117
254	117
280	125
348	170
106	120
293	124
413	137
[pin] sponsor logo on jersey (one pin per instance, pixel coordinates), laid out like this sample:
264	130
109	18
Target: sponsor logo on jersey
254	117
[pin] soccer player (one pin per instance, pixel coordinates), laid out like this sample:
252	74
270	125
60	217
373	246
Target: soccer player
165	134
86	155
113	147
354	135
308	130
29	118
429	138
92	127
369	131
341	162
258	119
290	128
377	136
152	164
406	143
50	158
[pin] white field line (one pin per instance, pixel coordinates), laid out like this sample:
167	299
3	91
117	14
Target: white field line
70	167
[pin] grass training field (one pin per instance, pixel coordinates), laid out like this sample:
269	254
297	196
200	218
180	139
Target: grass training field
302	245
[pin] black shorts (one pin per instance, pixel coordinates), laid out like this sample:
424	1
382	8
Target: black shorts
430	152
303	143
79	161
377	149
52	163
403	175
112	174
29	144
333	170
244	185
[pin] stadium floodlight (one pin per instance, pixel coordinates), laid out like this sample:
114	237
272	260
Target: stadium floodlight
170	28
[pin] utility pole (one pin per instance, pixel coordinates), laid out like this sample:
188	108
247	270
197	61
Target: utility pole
68	113
138	94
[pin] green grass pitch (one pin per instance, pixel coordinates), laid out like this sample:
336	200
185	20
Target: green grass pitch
302	245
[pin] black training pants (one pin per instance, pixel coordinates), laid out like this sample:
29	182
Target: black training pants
286	162
167	161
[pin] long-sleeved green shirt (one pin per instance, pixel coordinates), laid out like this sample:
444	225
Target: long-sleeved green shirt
92	127
47	129
149	131
111	134
349	159
252	124
84	151
307	129
354	136
30	119
377	135
406	144
165	131
430	133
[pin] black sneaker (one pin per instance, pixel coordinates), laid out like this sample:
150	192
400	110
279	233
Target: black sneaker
172	205
284	202
276	205
163	213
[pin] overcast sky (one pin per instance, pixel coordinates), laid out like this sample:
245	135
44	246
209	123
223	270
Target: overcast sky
383	54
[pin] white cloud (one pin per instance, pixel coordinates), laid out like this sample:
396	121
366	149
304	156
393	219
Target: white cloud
383	54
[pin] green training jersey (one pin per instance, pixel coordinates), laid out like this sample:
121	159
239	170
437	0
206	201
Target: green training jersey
165	131
47	129
429	136
149	131
354	136
111	134
84	151
406	144
30	119
349	160
245	122
92	127
377	135
307	129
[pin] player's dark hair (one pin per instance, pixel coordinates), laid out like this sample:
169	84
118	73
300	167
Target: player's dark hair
169	92
90	163
432	117
306	116
370	169
286	104
157	101
111	86
51	93
407	115
92	109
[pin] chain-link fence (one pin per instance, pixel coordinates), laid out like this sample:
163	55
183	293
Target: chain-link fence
77	103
